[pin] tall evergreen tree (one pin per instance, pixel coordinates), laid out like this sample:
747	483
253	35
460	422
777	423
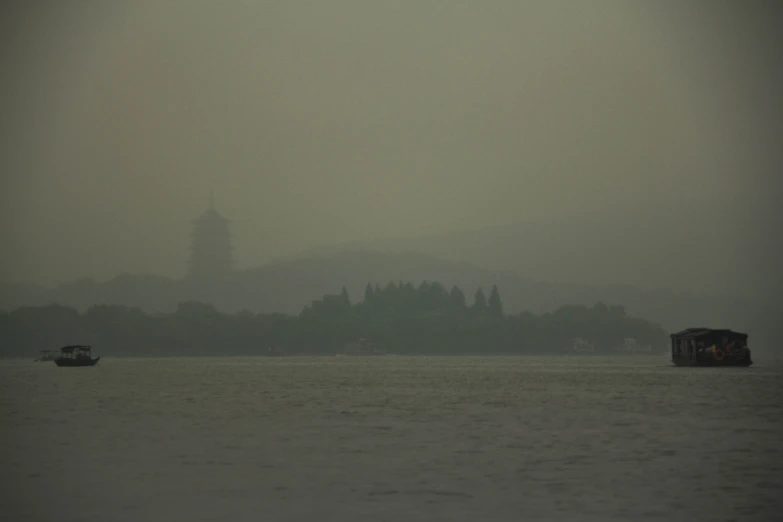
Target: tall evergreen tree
368	293
495	305
457	298
479	302
345	297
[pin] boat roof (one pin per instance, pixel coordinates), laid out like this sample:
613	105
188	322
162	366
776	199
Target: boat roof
693	333
73	347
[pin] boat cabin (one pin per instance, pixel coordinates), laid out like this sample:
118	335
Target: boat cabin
76	355
76	351
710	347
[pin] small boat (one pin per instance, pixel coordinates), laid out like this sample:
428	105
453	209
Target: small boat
46	355
76	355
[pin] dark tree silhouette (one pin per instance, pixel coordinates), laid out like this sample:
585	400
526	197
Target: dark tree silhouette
495	305
457	298
479	303
402	319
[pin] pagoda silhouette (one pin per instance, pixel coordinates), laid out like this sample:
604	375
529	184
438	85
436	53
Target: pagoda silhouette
211	254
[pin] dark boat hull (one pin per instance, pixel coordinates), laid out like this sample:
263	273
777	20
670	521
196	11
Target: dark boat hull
74	363
713	363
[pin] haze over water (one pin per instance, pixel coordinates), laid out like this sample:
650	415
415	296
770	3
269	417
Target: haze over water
391	438
324	122
588	158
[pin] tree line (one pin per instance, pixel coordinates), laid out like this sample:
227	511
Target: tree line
399	317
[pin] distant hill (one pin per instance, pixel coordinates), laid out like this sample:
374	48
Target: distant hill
288	286
699	249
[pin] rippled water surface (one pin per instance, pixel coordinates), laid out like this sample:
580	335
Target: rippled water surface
390	438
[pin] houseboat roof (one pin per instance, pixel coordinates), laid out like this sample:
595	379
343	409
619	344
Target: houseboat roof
73	347
693	333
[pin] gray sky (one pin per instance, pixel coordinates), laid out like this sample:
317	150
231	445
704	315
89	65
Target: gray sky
329	121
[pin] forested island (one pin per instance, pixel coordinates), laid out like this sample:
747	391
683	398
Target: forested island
400	317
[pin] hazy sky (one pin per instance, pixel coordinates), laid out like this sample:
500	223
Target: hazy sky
328	121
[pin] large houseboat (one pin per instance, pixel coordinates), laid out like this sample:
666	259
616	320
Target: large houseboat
709	347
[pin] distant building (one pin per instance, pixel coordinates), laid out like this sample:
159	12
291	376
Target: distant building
211	252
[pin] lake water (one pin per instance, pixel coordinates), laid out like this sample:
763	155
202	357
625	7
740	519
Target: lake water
390	438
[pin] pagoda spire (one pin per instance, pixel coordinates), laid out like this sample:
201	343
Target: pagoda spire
211	252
